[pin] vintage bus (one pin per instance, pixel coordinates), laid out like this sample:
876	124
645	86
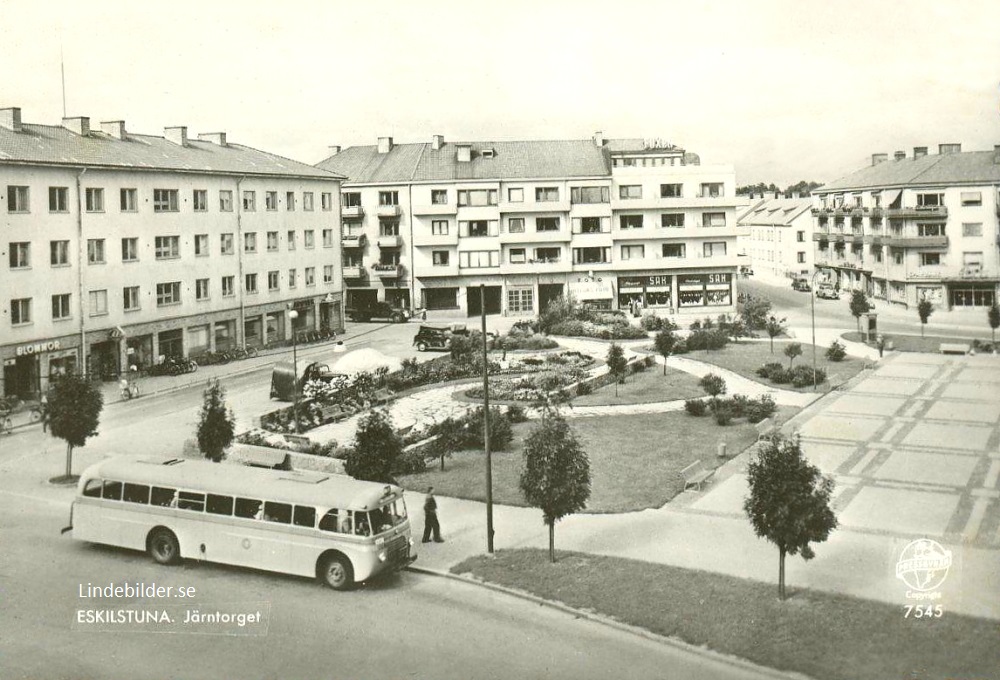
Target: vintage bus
329	526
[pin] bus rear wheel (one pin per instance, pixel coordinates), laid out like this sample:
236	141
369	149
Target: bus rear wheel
336	572
163	547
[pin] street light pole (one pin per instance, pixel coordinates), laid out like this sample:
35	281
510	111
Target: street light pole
812	301
293	315
486	425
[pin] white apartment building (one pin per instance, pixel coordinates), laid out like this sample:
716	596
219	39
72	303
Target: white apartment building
779	241
120	248
607	221
924	226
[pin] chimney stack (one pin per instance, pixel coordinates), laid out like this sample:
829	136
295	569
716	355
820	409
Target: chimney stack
949	148
114	128
919	151
437	141
217	138
899	155
599	139
464	153
10	118
178	134
78	125
334	149
879	158
384	144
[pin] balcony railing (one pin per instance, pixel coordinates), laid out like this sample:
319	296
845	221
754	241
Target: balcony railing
354	271
435	209
353	240
352	212
387	211
390	241
925	212
387	271
907	241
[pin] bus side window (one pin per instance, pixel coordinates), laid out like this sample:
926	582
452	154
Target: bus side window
112	491
136	493
329	521
346	524
247	507
189	500
92	488
162	496
304	516
277	512
219	505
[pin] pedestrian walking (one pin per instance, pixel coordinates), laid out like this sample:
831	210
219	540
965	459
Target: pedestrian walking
43	406
431	525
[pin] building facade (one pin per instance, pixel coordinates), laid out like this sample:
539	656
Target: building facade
912	228
614	223
778	239
121	249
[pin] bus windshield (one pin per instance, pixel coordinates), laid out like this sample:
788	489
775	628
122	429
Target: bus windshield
390	515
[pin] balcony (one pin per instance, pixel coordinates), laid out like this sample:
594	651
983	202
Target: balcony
354	271
435	209
428	271
877	211
387	211
353	240
822	210
928	212
899	241
352	212
821	236
390	241
531	236
643	234
387	271
970	273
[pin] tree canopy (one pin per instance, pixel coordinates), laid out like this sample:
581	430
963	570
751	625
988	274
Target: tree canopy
75	406
664	345
858	305
216	425
617	364
376	448
924	310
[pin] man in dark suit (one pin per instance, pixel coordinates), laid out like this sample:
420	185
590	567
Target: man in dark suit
431	519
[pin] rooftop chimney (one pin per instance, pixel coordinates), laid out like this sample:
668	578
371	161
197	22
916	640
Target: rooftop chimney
879	158
10	118
217	138
115	128
79	125
949	148
464	153
919	151
334	149
599	139
437	141
899	155
384	144
178	134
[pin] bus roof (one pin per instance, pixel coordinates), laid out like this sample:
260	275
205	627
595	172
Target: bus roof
320	489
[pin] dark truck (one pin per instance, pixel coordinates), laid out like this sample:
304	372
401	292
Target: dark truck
378	310
284	385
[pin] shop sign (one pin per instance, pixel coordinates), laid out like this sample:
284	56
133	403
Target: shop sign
658	281
630	282
694	281
591	289
37	348
719	278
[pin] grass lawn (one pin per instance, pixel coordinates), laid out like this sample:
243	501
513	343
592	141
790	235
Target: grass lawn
823	635
915	343
635	460
646	387
745	358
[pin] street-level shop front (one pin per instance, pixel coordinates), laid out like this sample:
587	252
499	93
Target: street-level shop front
28	368
677	293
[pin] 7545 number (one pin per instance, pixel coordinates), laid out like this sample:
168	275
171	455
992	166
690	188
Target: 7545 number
929	611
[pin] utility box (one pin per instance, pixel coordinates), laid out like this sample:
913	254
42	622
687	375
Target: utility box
870	327
722	450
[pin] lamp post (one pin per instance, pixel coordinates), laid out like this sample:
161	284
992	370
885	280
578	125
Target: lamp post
486	425
812	300
293	315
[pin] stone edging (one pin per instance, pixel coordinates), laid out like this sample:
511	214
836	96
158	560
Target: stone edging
603	620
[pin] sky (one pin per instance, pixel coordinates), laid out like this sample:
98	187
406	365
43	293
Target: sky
782	90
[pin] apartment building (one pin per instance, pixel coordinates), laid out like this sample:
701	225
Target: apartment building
778	239
122	248
915	227
609	221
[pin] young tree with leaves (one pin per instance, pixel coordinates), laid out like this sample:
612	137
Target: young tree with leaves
858	305
774	327
993	315
75	405
556	475
217	425
376	448
713	384
924	310
664	345
617	364
754	312
792	350
789	501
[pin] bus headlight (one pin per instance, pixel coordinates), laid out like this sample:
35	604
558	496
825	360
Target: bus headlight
382	556
380	541
412	543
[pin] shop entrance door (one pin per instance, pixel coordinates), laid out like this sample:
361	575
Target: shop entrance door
492	294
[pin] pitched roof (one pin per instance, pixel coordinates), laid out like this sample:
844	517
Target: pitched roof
55	145
970	167
511	160
776	211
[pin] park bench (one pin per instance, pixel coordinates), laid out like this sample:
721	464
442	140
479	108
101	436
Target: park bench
695	475
382	396
298	440
765	428
954	348
332	413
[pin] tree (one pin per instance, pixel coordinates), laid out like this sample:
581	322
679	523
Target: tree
556	475
755	311
451	436
216	425
789	501
713	384
664	344
858	305
617	364
993	314
774	328
376	448
924	310
75	405
792	350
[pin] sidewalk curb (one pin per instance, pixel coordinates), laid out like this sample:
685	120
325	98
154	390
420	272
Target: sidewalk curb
734	661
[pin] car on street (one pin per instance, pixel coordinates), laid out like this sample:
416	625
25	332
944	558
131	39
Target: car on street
826	291
378	310
437	337
801	283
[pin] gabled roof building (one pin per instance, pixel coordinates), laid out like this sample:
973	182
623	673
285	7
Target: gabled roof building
779	242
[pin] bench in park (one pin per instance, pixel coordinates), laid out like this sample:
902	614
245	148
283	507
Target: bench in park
332	413
382	396
954	348
695	475
298	440
766	429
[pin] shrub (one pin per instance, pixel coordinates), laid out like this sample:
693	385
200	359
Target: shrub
780	375
695	407
836	351
768	369
651	322
713	384
761	408
584	388
802	376
501	433
740	403
723	411
680	347
409	463
517	414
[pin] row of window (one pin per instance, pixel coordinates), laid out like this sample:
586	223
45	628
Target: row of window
164	200
552	255
581	225
355	522
167	294
924	200
165	247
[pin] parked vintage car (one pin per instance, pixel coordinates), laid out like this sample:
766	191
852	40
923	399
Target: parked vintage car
378	310
437	337
283	379
801	283
827	291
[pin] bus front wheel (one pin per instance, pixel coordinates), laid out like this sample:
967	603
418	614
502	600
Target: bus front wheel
163	546
336	572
